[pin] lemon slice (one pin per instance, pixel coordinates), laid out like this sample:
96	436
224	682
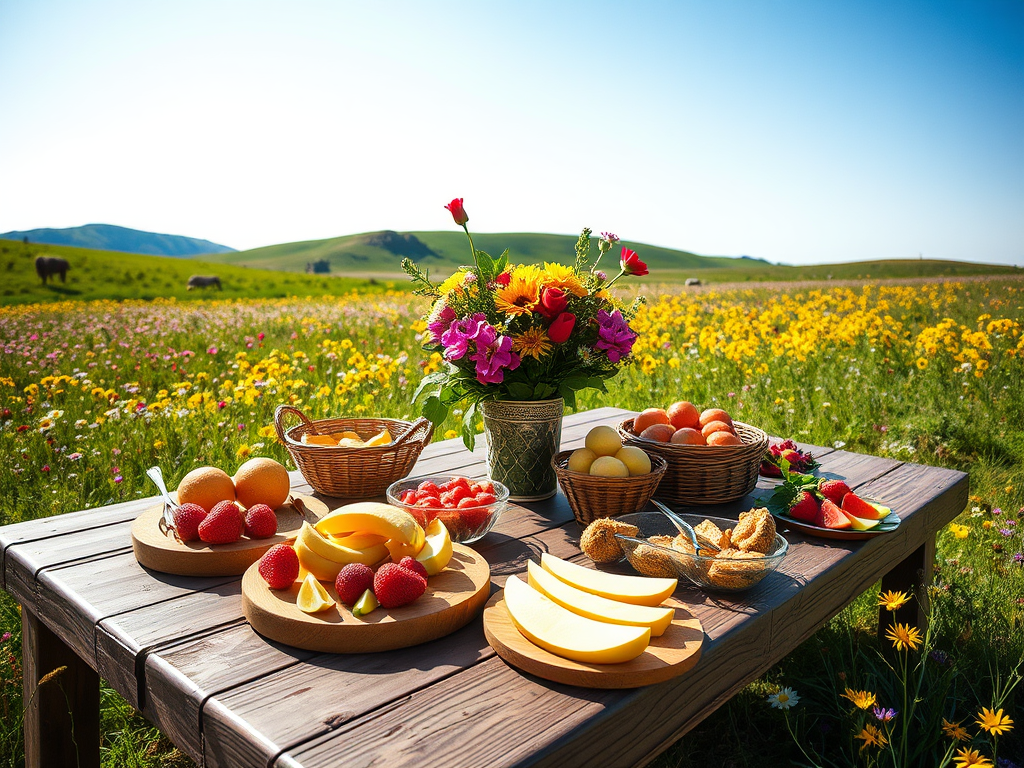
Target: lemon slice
313	598
382	439
367	603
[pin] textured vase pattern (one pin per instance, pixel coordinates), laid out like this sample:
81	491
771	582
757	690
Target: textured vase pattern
522	438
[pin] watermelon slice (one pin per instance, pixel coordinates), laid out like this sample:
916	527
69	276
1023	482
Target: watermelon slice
857	507
831	516
859	523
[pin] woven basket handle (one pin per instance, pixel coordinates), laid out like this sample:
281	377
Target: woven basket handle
279	415
412	429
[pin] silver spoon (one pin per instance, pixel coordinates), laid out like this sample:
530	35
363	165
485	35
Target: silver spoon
154	474
698	541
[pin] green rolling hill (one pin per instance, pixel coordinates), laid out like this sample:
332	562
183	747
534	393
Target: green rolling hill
107	237
381	253
114	275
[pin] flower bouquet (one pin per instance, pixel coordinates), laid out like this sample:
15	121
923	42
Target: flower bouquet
520	335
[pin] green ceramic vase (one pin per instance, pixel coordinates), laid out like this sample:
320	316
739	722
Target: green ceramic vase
522	438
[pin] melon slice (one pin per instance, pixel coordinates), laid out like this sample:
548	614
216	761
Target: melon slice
596	607
865	510
859	523
638	590
831	516
564	633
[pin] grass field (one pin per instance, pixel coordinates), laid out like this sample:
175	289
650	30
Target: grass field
369	253
93	393
114	275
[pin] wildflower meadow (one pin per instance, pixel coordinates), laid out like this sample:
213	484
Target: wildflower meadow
93	393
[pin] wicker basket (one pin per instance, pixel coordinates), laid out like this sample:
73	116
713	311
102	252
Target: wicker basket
705	474
592	497
353	473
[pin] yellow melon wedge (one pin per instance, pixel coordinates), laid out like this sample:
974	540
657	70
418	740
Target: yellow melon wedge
437	551
638	590
596	607
571	636
374	517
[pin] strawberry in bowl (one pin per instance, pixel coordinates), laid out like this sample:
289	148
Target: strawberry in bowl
468	508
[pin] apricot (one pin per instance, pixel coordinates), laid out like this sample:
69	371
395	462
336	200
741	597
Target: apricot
724	438
688	436
636	461
580	460
649	418
603	441
715	426
608	466
661	433
684	414
715	414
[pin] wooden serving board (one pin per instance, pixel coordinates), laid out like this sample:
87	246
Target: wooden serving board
452	599
668	656
163	552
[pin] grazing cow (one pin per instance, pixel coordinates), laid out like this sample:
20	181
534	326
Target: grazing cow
48	266
693	281
204	281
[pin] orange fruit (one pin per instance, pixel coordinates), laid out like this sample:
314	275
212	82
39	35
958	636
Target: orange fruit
648	418
262	481
715	426
661	433
714	414
724	438
206	486
688	436
684	414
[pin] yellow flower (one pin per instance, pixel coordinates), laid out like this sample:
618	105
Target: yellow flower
519	297
872	737
860	699
243	452
158	444
904	636
970	758
960	531
451	284
893	600
995	723
450	434
987	524
533	342
954	730
922	363
561	276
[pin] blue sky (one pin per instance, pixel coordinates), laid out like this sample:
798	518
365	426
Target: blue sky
799	132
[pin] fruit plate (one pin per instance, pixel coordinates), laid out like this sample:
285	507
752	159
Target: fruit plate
888	524
452	599
668	656
163	552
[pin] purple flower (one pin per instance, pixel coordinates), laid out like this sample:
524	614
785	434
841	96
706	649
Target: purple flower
614	335
997	511
118	479
1018	557
1006	531
441	323
940	657
6	636
491	358
884	715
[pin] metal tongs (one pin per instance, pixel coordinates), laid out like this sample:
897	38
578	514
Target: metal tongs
167	521
699	542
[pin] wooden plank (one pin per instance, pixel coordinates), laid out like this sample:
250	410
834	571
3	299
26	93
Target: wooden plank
62	716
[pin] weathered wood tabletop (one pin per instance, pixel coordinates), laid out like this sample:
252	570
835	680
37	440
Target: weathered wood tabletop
179	650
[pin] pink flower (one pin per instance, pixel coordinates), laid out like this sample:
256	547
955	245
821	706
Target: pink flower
260	336
211	351
46	468
222	404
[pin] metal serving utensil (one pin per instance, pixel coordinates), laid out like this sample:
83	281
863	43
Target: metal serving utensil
167	521
698	541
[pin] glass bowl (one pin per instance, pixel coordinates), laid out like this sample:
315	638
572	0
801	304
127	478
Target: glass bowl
464	525
708	573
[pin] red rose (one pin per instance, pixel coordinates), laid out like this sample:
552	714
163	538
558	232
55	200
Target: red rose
503	279
560	330
552	303
631	264
458	212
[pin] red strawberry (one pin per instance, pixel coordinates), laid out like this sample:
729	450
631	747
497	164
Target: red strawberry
805	507
187	518
395	586
260	522
413	565
279	566
223	525
833	490
352	581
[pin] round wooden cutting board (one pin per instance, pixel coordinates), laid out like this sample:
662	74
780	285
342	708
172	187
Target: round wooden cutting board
452	599
163	552
668	656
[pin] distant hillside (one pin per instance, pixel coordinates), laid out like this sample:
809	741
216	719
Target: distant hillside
112	275
382	252
107	237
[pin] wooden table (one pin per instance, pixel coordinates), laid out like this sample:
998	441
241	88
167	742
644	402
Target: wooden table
179	650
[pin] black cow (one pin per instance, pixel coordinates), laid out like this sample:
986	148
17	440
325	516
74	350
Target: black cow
204	281
48	266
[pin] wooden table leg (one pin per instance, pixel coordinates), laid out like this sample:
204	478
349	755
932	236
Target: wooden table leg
913	576
62	716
